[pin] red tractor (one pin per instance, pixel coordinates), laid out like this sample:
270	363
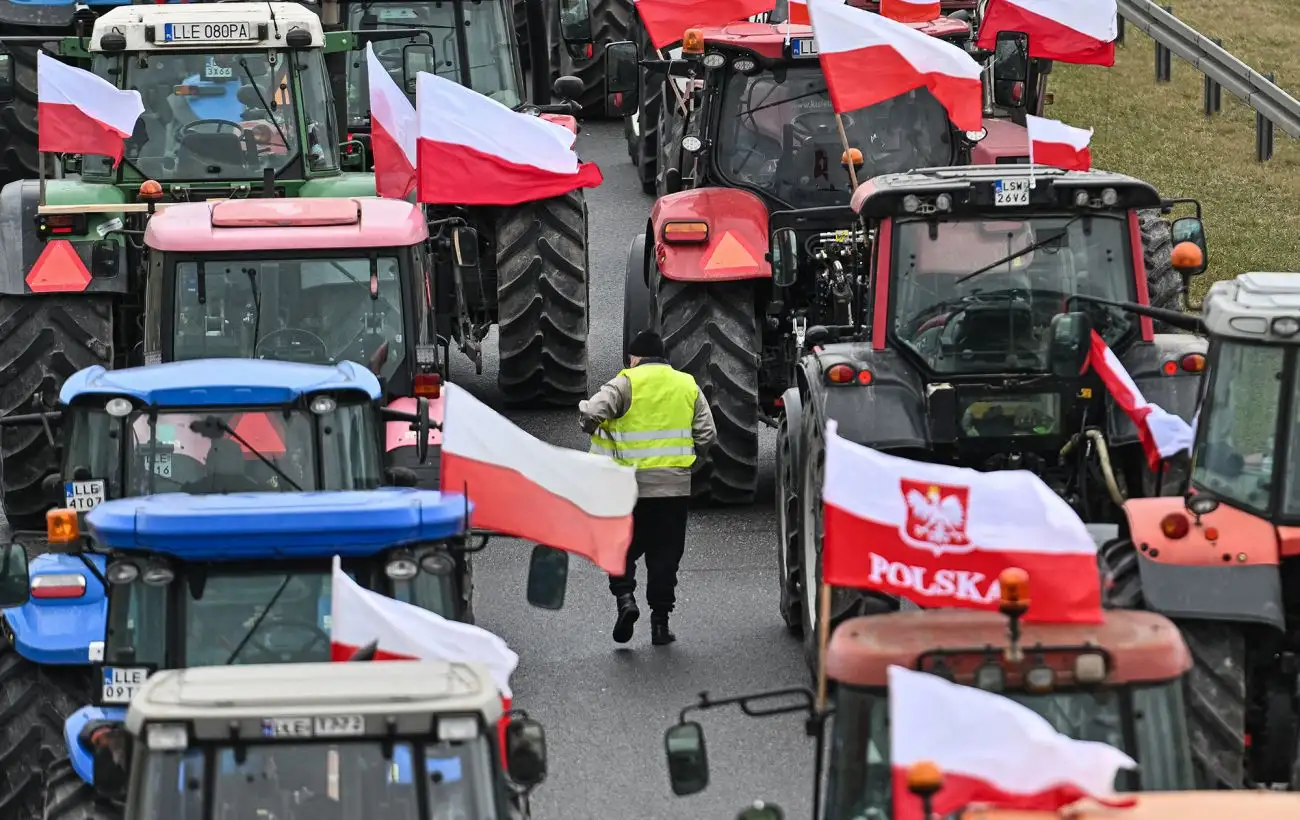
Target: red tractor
760	147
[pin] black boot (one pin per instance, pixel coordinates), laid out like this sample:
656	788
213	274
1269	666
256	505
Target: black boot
627	615
660	635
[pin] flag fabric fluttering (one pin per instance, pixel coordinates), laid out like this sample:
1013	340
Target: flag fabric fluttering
472	150
910	11
567	499
990	750
79	113
940	535
853	43
1068	31
393	132
666	21
1162	434
1053	143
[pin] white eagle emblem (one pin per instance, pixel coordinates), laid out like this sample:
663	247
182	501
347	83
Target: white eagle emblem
936	516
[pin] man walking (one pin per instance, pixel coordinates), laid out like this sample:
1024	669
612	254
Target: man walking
656	419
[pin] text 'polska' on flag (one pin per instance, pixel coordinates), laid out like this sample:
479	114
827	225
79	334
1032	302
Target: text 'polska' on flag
940	535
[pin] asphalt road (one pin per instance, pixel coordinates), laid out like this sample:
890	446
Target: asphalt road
605	707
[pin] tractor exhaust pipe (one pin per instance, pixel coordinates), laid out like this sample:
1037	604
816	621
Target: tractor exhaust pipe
1174	318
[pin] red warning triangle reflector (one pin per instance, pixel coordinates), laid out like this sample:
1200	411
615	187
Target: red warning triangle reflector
58	270
730	255
259	431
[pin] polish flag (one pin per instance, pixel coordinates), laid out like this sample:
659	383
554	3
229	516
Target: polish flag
940	535
910	11
472	150
393	132
522	486
1071	31
797	13
79	113
990	750
1163	435
854	43
1052	142
666	21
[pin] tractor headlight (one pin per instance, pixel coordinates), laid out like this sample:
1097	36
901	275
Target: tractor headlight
121	572
438	563
118	407
401	568
714	60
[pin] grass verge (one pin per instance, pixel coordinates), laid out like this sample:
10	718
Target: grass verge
1158	132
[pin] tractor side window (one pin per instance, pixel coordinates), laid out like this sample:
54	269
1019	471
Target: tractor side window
1235	451
349	452
93	449
322	132
1291	475
170	787
489	40
137	625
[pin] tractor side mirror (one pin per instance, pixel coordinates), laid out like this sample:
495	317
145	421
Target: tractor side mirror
422	426
621	73
416	57
575	23
526	752
1011	69
6	78
1189	261
464	243
785	257
1070	342
688	762
15	585
567	88
548	577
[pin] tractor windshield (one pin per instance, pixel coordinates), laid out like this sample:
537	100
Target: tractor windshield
1145	722
777	133
223	115
482	35
313	310
1237	448
323	781
999	320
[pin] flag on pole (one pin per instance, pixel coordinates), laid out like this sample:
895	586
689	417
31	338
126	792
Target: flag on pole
1069	31
910	11
79	113
1162	434
666	21
1053	143
393	132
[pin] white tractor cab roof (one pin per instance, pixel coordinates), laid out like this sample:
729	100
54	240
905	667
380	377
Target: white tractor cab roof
1262	307
208	26
308	700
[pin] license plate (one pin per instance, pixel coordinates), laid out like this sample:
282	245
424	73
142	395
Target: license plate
121	683
803	47
1010	192
209	32
162	464
83	495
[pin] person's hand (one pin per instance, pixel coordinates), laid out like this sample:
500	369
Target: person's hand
590	424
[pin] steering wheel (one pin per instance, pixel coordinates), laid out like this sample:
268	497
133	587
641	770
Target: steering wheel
315	635
294	337
811	124
218	125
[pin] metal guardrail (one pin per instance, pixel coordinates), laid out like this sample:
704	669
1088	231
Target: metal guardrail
1273	106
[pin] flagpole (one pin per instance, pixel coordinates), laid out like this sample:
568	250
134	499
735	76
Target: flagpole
40	199
823	639
848	150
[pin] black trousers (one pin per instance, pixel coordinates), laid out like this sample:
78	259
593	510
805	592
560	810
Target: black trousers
658	533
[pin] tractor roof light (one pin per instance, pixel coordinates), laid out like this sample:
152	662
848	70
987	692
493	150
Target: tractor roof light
924	778
1175	526
693	41
714	60
691	144
1081	198
1286	326
1109	196
167	737
61	526
1013	584
437	563
401	567
911	203
990	677
943	202
158	573
122	572
1202	504
1090	668
151	190
1040	679
744	65
118	407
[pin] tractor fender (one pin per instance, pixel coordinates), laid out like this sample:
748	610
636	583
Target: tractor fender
400	442
736	247
59	631
564	120
792	407
636	293
80	755
1178	394
1005	140
889	413
23	248
1232	578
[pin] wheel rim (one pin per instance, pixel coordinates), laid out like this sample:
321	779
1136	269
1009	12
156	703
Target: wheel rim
811	528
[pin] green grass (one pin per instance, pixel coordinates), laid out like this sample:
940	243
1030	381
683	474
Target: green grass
1159	133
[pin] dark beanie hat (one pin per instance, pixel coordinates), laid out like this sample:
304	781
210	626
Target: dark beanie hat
646	345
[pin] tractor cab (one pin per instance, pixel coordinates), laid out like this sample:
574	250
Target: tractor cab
1117	682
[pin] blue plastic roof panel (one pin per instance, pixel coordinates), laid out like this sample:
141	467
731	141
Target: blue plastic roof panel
217	382
277	526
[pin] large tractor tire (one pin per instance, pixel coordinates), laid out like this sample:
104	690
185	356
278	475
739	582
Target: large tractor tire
609	24
711	331
649	110
636	294
68	797
789	519
1164	284
543	301
43	341
19	157
1215	689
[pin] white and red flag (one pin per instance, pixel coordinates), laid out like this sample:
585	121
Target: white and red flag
521	486
1071	31
991	750
853	43
1162	434
79	113
797	13
910	11
940	535
1052	142
393	132
472	150
666	21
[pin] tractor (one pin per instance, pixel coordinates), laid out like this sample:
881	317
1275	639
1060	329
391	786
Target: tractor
585	29
761	145
229	579
1222	561
1117	682
246	116
948	323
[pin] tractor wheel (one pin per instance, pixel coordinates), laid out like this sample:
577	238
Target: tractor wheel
789	519
543	301
650	113
672	128
609	24
636	294
1215	689
1164	284
711	331
43	341
68	797
19	157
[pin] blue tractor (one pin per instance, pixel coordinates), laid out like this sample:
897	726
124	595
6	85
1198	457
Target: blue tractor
178	580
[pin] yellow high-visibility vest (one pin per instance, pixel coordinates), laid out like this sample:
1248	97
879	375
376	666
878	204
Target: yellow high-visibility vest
655	432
